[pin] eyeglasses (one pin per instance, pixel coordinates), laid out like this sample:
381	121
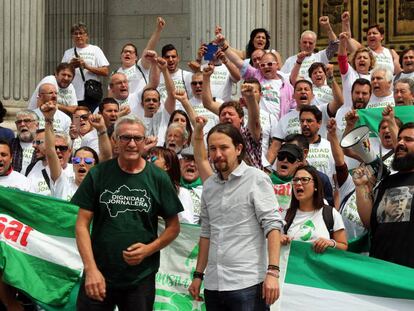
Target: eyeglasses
269	64
62	148
197	83
154	100
127	138
152	158
87	161
291	158
84	117
302	180
38	142
18	122
78	33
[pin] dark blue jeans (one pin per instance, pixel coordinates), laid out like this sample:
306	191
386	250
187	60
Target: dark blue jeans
246	299
140	297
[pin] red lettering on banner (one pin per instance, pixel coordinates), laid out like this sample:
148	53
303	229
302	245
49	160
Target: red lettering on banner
14	230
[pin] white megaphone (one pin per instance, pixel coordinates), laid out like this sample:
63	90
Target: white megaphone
358	141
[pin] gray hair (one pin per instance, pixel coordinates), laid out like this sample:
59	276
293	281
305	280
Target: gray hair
79	26
129	119
177	125
64	136
309	32
387	72
408	81
27	112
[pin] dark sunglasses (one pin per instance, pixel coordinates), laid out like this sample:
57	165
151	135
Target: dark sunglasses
197	83
291	158
38	142
62	148
84	117
87	161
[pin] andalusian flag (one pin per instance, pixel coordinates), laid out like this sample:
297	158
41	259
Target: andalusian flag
37	245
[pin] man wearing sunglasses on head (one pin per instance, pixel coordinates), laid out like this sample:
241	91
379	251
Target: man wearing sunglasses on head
124	198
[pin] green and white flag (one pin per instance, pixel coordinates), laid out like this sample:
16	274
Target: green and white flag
334	280
37	245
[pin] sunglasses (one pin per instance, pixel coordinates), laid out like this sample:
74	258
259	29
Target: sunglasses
87	161
62	148
84	117
152	159
269	64
291	158
127	138
302	180
197	83
38	142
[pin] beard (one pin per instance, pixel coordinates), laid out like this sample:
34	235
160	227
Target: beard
405	163
26	137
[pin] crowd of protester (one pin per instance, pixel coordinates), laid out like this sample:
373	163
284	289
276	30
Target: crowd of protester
291	116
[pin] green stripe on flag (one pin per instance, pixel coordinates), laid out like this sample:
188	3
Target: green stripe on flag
48	215
347	272
45	281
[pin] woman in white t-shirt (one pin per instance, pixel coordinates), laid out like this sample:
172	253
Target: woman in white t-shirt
167	160
304	218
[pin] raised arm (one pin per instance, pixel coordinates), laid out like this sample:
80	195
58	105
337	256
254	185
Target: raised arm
49	109
338	99
296	68
388	115
200	152
154	78
363	191
153	41
105	148
352	44
351	118
182	97
233	70
169	104
253	123
342	53
207	98
230	53
326	26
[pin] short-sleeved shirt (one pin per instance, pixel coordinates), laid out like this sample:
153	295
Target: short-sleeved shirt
125	211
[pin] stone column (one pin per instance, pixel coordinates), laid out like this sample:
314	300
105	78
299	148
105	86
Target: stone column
237	18
21	51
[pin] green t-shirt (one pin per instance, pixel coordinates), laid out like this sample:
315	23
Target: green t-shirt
126	209
283	192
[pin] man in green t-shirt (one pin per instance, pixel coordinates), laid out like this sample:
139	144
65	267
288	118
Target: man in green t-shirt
124	197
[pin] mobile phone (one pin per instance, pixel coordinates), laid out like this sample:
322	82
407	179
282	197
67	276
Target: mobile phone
211	50
76	122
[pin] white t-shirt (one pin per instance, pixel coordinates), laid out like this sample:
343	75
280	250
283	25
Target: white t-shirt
290	123
91	140
38	181
195	194
405	75
307	62
187	215
270	101
381	102
320	156
384	59
181	79
61	121
157	125
65	96
27	154
63	188
212	119
309	226
17	181
134	102
221	82
348	80
323	94
136	80
94	57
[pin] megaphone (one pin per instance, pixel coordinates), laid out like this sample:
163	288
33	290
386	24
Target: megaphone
358	141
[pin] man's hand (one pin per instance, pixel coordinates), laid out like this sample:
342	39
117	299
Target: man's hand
351	118
150	142
124	111
344	36
324	22
180	95
136	253
202	50
247	91
48	109
194	66
208	70
97	121
75	62
302	55
150	55
329	71
194	289
95	285
270	289
221	56
361	176
160	23
284	239
331	128
201	121
345	17
388	114
162	64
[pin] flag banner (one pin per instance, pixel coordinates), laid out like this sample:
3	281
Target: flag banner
372	117
37	244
